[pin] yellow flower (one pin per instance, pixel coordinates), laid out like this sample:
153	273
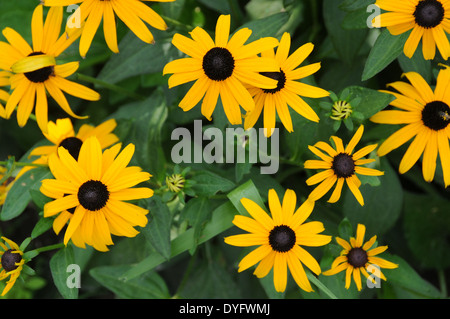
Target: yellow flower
426	115
4	96
279	238
35	71
11	263
359	257
220	68
288	90
428	19
340	166
133	13
95	187
62	134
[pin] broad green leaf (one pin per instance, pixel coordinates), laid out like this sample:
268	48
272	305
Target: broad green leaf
59	268
266	27
382	204
386	49
41	226
136	58
347	43
352	5
221	220
147	286
416	64
197	212
372	101
19	195
407	278
246	190
208	183
157	230
426	224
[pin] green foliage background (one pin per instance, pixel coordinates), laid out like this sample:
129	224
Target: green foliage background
181	253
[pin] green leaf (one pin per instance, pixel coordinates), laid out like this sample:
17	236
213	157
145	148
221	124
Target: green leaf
406	278
41	226
382	204
347	43
426	223
157	230
208	183
246	190
197	212
19	195
147	286
221	220
266	27
135	58
416	64
372	101
58	267
386	49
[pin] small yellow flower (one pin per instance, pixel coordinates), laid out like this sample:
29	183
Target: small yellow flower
175	182
341	110
357	257
35	72
11	263
91	193
279	237
340	166
220	67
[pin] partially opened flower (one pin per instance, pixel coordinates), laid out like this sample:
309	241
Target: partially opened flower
96	187
62	133
35	72
340	165
359	258
426	115
288	91
134	13
11	263
428	20
280	237
220	67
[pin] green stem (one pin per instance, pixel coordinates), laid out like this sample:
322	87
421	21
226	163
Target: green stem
176	23
320	285
442	283
108	86
49	247
24	164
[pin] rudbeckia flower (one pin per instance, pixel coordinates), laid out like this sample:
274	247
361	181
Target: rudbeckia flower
429	21
220	67
34	69
340	165
359	258
11	263
134	13
96	188
4	96
280	237
288	90
426	115
62	133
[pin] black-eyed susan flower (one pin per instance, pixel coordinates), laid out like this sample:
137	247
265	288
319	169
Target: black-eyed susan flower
11	263
34	69
288	90
340	165
4	96
96	188
280	238
220	67
359	257
134	13
428	19
426	115
62	133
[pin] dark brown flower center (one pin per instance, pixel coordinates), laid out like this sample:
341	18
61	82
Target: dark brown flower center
93	195
343	165
73	145
429	13
436	115
218	64
280	77
9	260
282	238
357	257
40	75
